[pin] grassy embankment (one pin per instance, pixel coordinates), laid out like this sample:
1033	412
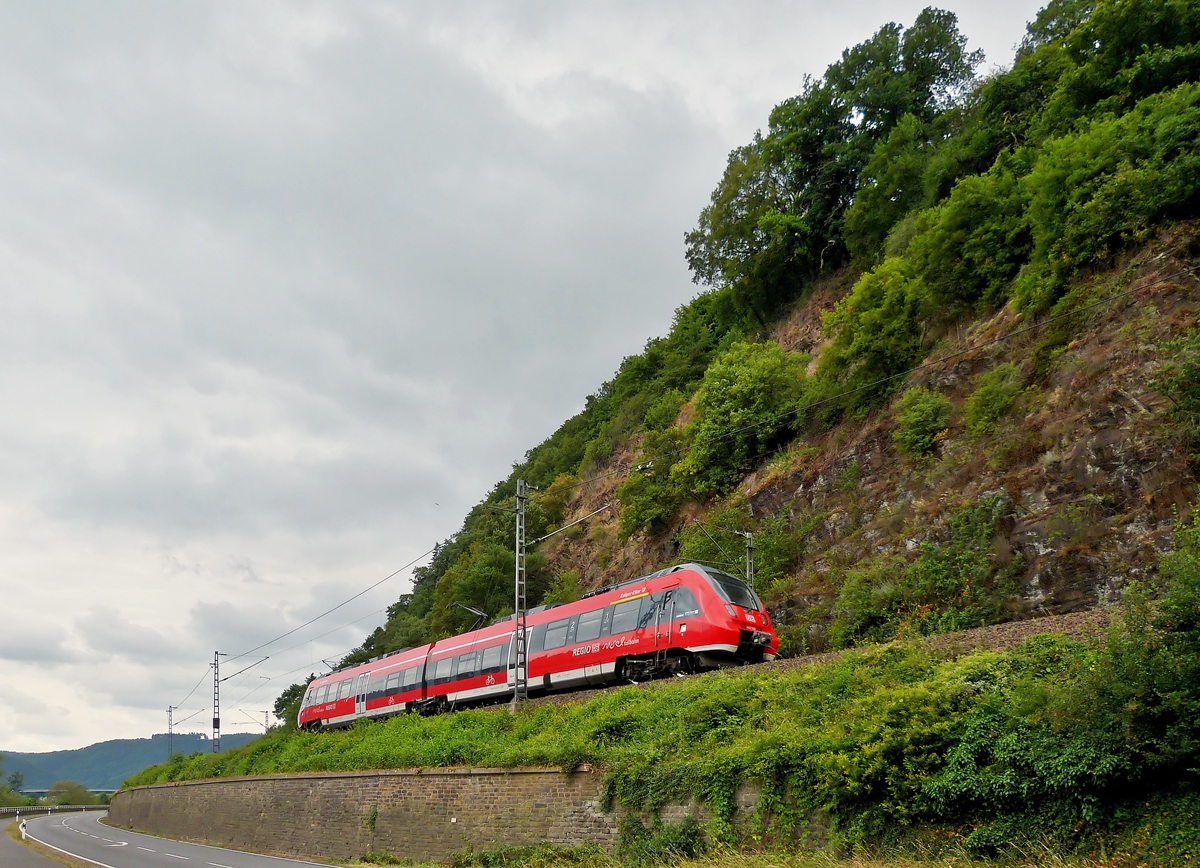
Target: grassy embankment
1076	746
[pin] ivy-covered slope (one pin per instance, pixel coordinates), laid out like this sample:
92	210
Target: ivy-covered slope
1059	744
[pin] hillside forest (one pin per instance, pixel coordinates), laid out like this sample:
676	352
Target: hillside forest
944	364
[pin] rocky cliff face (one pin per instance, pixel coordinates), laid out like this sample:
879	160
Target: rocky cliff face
1086	473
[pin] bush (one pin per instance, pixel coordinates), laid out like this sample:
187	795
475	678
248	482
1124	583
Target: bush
744	409
1179	380
642	845
876	333
921	415
650	495
993	397
778	544
952	585
968	249
1094	191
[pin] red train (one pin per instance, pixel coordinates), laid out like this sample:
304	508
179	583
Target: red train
683	619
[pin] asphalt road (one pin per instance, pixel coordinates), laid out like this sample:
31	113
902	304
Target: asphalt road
85	836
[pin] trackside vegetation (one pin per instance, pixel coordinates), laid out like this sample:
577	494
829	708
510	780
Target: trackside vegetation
1066	744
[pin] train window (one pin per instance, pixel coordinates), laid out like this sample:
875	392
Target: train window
625	616
537	636
589	626
319	694
556	634
491	659
410	678
466	665
685	604
442	670
734	590
393	683
345	688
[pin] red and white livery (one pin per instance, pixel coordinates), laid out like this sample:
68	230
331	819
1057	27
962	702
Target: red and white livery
683	619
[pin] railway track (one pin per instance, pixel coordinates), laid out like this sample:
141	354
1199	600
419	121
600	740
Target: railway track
996	637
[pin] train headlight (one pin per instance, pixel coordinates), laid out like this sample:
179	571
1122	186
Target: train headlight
729	609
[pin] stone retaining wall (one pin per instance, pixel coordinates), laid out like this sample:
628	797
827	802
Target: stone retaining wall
423	815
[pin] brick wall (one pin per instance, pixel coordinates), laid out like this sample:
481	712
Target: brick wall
423	815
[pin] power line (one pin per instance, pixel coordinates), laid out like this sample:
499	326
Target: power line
335	608
193	690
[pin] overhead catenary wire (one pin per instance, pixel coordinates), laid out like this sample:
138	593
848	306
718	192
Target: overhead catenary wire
299	645
194	689
391	575
190	716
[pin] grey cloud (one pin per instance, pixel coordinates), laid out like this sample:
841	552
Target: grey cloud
24	643
107	632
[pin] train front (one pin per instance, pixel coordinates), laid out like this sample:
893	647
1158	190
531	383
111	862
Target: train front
741	613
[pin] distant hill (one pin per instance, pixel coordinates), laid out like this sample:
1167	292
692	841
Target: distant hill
106	765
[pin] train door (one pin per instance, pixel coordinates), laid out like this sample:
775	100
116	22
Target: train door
664	616
360	694
512	657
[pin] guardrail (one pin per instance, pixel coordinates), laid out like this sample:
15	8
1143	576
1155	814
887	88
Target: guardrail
43	810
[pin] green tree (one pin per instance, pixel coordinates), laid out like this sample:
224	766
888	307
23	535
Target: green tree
70	793
744	408
776	218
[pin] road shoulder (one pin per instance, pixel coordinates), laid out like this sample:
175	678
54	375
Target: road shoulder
15	853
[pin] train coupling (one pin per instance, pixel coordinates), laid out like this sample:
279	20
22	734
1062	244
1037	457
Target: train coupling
761	639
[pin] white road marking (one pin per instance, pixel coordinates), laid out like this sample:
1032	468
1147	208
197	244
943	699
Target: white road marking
218	865
147	849
173	856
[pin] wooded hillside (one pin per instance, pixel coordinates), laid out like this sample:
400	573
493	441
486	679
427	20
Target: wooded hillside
943	360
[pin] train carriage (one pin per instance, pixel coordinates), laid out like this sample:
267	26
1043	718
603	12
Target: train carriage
682	619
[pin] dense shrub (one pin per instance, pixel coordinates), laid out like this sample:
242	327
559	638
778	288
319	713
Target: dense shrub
876	334
745	407
952	585
1093	191
1179	380
778	544
995	392
921	415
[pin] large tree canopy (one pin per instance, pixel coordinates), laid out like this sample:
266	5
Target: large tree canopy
775	220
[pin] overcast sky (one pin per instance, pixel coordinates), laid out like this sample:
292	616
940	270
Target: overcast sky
286	287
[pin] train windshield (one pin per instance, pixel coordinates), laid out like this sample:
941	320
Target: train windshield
734	590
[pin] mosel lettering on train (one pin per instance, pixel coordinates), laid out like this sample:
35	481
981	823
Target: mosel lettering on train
683	619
